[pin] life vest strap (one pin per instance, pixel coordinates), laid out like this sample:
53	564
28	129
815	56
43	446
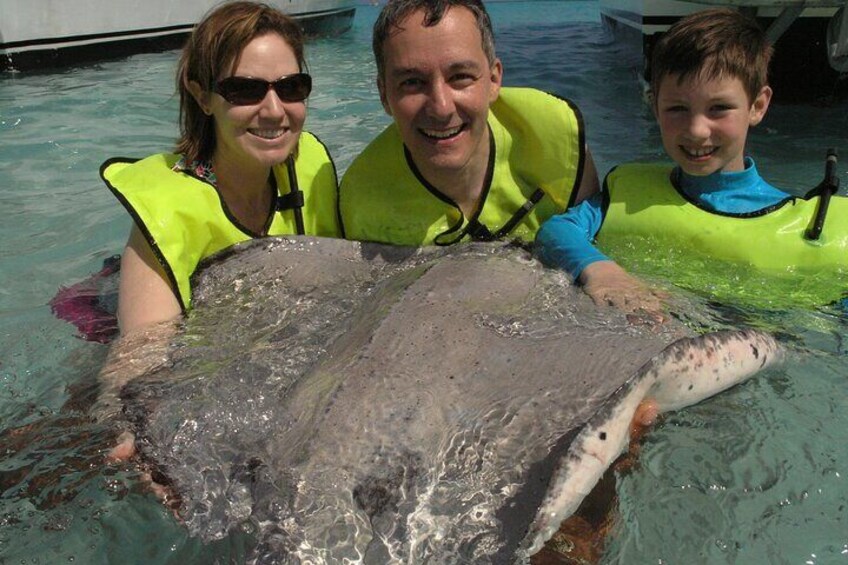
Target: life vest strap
520	213
294	198
480	232
290	201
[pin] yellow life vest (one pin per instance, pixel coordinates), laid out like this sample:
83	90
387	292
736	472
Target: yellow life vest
535	164
185	220
763	258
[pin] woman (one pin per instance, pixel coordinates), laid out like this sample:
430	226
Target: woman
243	166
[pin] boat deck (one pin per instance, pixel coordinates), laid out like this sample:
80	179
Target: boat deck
772	3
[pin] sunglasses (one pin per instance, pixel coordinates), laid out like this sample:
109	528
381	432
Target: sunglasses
243	91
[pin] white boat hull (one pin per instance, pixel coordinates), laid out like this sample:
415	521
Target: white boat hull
649	17
43	33
799	68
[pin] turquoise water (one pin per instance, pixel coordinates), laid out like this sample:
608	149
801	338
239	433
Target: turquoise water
756	475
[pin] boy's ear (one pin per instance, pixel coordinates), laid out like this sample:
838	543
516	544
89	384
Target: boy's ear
760	106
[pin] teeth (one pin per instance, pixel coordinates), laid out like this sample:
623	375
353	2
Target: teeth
699	152
268	133
442	134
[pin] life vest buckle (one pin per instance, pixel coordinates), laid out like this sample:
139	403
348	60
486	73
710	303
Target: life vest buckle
290	201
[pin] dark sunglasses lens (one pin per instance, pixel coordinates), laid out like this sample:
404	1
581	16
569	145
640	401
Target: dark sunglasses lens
242	91
294	88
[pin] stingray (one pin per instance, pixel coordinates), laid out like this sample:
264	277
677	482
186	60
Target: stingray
368	403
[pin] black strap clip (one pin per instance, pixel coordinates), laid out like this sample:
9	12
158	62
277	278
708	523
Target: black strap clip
290	201
478	231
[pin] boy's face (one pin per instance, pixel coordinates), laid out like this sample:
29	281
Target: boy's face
704	123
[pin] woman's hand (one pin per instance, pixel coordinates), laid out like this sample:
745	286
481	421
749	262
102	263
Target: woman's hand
139	353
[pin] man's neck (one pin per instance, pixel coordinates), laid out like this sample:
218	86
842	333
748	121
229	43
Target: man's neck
464	186
465	193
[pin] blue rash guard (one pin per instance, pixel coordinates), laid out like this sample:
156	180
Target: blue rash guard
565	240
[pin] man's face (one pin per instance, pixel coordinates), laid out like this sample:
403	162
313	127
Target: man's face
704	123
438	85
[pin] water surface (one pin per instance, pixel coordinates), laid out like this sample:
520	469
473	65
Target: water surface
756	475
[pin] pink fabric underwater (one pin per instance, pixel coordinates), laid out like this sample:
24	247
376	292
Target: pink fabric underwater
91	304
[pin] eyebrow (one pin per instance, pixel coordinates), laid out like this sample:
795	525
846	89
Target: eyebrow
720	97
456	66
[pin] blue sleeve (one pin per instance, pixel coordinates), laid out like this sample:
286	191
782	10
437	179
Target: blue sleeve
565	240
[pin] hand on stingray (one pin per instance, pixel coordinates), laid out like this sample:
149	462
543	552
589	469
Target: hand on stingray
644	418
139	353
583	536
125	450
610	285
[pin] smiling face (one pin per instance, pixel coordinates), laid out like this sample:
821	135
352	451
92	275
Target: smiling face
438	85
262	134
704	123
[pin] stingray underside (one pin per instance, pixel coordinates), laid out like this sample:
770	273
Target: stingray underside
365	402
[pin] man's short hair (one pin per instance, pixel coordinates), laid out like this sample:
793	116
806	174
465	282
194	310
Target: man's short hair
396	11
711	44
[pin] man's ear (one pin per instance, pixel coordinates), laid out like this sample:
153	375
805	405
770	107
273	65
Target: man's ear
200	96
496	78
760	106
381	88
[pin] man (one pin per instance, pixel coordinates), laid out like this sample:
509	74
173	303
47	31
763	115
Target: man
465	159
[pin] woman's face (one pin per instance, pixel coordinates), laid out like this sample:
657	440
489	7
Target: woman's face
265	133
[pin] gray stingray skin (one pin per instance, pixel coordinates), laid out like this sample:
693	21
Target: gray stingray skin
380	404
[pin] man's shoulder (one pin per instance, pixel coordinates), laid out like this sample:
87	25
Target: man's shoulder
521	96
530	109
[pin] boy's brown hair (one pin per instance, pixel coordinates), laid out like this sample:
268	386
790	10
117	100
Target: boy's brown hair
714	43
212	52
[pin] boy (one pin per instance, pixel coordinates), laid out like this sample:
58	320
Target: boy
709	86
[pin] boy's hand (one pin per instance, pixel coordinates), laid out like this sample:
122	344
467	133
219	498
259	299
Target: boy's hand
610	285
